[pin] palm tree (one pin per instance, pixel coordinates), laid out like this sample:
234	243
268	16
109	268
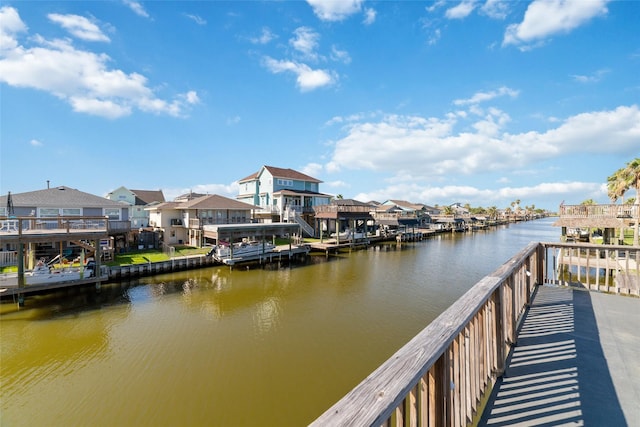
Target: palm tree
493	212
617	185
632	171
448	210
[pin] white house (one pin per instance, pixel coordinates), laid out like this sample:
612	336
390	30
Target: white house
181	222
277	191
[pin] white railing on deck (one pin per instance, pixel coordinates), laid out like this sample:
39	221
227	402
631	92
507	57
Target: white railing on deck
8	258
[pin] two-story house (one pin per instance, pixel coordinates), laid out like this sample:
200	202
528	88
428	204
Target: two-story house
181	221
282	194
51	204
137	200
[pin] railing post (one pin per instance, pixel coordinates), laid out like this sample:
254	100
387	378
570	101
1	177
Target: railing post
500	338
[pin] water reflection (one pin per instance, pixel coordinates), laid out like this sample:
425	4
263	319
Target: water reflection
185	348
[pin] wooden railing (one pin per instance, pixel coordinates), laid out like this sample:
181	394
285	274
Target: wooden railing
441	375
608	268
342	208
31	224
599	211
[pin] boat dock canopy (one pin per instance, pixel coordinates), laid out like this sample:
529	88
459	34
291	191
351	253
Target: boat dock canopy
238	231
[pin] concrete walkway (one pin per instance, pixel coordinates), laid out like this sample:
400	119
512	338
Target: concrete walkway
577	362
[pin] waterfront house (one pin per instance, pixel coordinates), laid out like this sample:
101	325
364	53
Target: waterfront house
137	200
284	195
51	204
181	221
344	217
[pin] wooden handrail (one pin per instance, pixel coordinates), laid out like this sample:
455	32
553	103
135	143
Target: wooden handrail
440	376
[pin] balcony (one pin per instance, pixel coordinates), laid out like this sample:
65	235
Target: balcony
597	216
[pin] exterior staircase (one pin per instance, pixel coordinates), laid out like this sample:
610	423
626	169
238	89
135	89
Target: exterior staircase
306	228
87	247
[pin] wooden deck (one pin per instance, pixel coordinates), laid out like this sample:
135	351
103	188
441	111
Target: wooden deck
585	345
575	363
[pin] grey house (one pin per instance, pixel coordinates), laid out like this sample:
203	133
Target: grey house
64	201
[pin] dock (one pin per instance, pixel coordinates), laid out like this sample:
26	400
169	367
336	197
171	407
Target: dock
31	289
278	254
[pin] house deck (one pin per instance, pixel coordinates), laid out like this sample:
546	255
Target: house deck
576	362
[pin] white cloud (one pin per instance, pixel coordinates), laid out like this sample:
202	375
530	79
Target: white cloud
196	18
476	196
305	42
412	145
462	10
335	10
487	96
80	27
264	38
435	6
81	78
496	9
340	55
11	26
312	169
307	79
369	16
435	36
35	143
136	7
545	18
593	78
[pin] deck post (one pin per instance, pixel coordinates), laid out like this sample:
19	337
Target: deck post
20	273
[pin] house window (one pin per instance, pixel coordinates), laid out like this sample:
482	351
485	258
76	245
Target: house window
112	213
72	212
3	211
285	182
48	212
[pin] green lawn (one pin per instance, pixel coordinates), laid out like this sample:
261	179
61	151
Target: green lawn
152	255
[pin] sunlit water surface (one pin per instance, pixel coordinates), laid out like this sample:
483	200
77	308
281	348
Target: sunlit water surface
258	347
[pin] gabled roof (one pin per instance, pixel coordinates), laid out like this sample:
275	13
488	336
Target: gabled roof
281	173
59	197
214	201
209	201
147	196
406	205
188	196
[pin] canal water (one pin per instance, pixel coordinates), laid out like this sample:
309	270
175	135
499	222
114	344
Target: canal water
215	347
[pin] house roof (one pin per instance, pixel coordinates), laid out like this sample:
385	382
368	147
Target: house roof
148	196
406	205
59	197
188	196
281	173
300	192
350	202
209	201
214	201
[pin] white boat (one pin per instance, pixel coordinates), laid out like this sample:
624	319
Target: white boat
42	274
229	254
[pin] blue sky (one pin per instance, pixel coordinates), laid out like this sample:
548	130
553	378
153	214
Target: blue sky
480	102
